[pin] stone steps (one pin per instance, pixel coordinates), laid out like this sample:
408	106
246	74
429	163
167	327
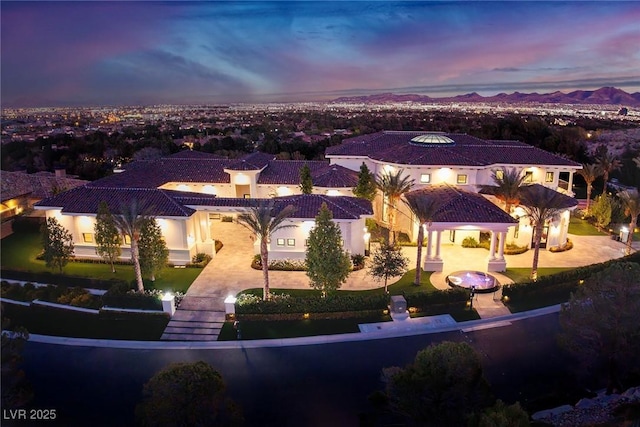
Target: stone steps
191	337
196	319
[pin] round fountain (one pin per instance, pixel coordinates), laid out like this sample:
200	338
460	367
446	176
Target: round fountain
477	280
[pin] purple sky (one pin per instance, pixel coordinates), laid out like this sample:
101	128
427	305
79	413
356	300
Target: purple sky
126	53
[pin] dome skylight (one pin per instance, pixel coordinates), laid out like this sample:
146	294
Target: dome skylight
432	138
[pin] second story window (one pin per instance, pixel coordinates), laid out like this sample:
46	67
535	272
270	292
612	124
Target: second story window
462	178
548	177
425	178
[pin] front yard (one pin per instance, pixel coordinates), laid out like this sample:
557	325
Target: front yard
19	252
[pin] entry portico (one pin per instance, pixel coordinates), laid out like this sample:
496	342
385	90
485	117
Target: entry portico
466	214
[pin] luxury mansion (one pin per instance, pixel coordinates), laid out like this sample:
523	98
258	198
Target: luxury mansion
190	192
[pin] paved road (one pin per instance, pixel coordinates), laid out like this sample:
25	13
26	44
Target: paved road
315	385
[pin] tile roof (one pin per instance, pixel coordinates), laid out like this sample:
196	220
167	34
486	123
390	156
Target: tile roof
466	150
37	185
459	206
253	161
530	194
308	205
287	172
335	176
86	199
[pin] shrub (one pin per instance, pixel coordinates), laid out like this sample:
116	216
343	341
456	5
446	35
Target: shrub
284	304
357	261
57	279
513	249
567	246
218	245
469	242
199	260
123	296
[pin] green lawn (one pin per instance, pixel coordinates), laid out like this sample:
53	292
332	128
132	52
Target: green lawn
520	275
580	227
19	252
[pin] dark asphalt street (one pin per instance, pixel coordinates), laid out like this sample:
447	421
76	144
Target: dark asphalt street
317	385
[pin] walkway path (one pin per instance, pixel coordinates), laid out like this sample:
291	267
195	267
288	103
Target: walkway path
201	313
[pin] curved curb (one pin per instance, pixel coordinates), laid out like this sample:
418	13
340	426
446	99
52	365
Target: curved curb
292	342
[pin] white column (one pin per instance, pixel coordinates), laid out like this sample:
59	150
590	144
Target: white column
570	189
492	247
429	242
502	236
438	236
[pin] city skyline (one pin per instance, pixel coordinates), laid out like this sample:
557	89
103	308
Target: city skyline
142	53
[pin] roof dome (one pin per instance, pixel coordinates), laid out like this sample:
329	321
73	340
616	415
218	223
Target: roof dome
432	138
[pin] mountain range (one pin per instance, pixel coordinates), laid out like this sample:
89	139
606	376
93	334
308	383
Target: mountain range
602	96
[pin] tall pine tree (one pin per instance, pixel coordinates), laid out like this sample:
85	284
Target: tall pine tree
153	249
306	184
328	264
107	236
366	187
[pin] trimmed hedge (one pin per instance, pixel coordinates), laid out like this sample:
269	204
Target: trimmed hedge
559	286
61	280
123	296
312	316
280	304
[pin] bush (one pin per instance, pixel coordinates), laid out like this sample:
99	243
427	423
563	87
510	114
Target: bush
357	261
124	296
280	264
469	242
560	285
199	260
218	245
285	304
512	249
566	247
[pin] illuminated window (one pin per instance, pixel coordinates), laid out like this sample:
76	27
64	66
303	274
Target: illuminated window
425	178
87	237
499	174
462	178
280	242
548	177
528	177
291	242
127	239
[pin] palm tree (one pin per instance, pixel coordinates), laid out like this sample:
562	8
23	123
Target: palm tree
589	172
393	185
262	223
631	201
607	163
541	204
507	186
129	222
425	209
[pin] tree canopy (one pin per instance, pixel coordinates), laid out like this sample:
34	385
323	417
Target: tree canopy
154	253
388	261
261	221
107	236
57	244
328	264
306	183
187	394
366	187
442	387
600	323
